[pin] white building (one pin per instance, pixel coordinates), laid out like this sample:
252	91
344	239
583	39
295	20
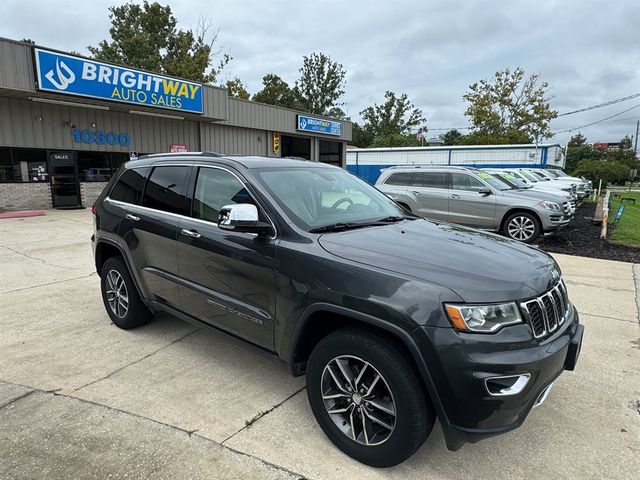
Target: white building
368	162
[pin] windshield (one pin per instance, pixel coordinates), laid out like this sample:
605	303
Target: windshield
493	181
513	180
319	197
540	176
560	173
529	176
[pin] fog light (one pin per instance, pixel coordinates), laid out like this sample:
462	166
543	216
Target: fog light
507	385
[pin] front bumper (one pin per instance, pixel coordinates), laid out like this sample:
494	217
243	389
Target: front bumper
459	363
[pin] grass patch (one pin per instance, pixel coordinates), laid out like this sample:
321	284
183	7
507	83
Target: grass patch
627	230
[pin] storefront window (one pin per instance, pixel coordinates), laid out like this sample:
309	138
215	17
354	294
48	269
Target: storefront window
29	165
330	152
117	159
94	167
6	172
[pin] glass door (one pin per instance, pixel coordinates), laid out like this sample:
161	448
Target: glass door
65	186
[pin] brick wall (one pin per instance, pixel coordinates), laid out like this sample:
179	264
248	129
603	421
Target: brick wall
24	196
90	191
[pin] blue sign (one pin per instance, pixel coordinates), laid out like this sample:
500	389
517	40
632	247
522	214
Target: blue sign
319	125
619	213
71	75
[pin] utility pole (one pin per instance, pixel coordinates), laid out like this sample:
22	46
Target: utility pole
635	146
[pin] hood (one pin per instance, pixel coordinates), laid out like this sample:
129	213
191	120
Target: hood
478	266
552	195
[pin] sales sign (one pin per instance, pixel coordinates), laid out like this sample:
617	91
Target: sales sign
319	125
71	75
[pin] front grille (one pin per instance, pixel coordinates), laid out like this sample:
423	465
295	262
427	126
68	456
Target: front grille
547	312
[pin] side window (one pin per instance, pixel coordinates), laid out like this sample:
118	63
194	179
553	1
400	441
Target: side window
216	188
165	190
129	186
431	180
401	178
463	181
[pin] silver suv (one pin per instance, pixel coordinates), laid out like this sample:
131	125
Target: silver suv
474	198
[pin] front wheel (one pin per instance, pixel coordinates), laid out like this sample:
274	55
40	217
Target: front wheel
522	226
120	297
367	398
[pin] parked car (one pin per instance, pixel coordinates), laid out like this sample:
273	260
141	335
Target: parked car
562	198
396	320
542	175
539	184
582	183
471	197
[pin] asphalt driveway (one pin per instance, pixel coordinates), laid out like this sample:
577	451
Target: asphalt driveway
80	398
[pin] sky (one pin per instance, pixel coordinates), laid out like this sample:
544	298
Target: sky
588	51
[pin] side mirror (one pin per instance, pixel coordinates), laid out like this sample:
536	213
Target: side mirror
243	218
485	192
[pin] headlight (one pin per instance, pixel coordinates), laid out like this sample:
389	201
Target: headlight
483	318
550	205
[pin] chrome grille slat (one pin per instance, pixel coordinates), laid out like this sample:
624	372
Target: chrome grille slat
548	311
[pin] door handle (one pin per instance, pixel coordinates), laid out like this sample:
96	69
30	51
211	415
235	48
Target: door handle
131	217
190	233
455	195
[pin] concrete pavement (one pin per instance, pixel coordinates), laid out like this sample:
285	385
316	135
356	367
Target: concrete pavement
81	398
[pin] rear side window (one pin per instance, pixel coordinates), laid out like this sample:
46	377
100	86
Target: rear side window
128	188
431	179
166	190
400	178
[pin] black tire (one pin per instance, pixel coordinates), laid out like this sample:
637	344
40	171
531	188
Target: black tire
136	313
414	416
523	227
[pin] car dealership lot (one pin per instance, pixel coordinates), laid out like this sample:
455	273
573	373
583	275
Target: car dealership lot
80	397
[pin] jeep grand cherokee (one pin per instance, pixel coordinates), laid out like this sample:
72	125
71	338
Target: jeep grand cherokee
396	320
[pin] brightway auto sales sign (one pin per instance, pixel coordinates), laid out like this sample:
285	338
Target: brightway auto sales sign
71	75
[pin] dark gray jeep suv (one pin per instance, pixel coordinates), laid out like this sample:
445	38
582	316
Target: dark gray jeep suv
396	320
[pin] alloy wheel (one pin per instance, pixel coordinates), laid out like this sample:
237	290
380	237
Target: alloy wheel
521	228
358	400
117	295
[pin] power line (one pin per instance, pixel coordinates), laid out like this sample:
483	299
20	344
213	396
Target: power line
600	105
597	121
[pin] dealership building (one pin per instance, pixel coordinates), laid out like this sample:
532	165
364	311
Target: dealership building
68	122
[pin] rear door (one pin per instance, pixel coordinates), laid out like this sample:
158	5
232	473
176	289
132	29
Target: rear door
228	278
150	231
430	192
467	206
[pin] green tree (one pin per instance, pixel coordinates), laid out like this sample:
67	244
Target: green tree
395	140
361	137
509	108
275	91
397	115
236	89
577	154
608	172
578	140
146	36
321	83
452	137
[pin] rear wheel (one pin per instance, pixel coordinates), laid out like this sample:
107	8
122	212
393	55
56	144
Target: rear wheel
367	397
522	226
120	297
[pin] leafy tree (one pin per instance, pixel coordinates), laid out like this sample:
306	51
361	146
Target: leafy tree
237	89
145	36
509	108
361	137
321	83
452	137
275	91
578	140
395	140
575	155
397	115
608	172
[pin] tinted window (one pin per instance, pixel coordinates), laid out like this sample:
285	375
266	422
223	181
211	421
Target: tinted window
166	189
216	188
462	181
400	178
431	179
129	186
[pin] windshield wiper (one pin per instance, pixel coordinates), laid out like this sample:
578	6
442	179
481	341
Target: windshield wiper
339	226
